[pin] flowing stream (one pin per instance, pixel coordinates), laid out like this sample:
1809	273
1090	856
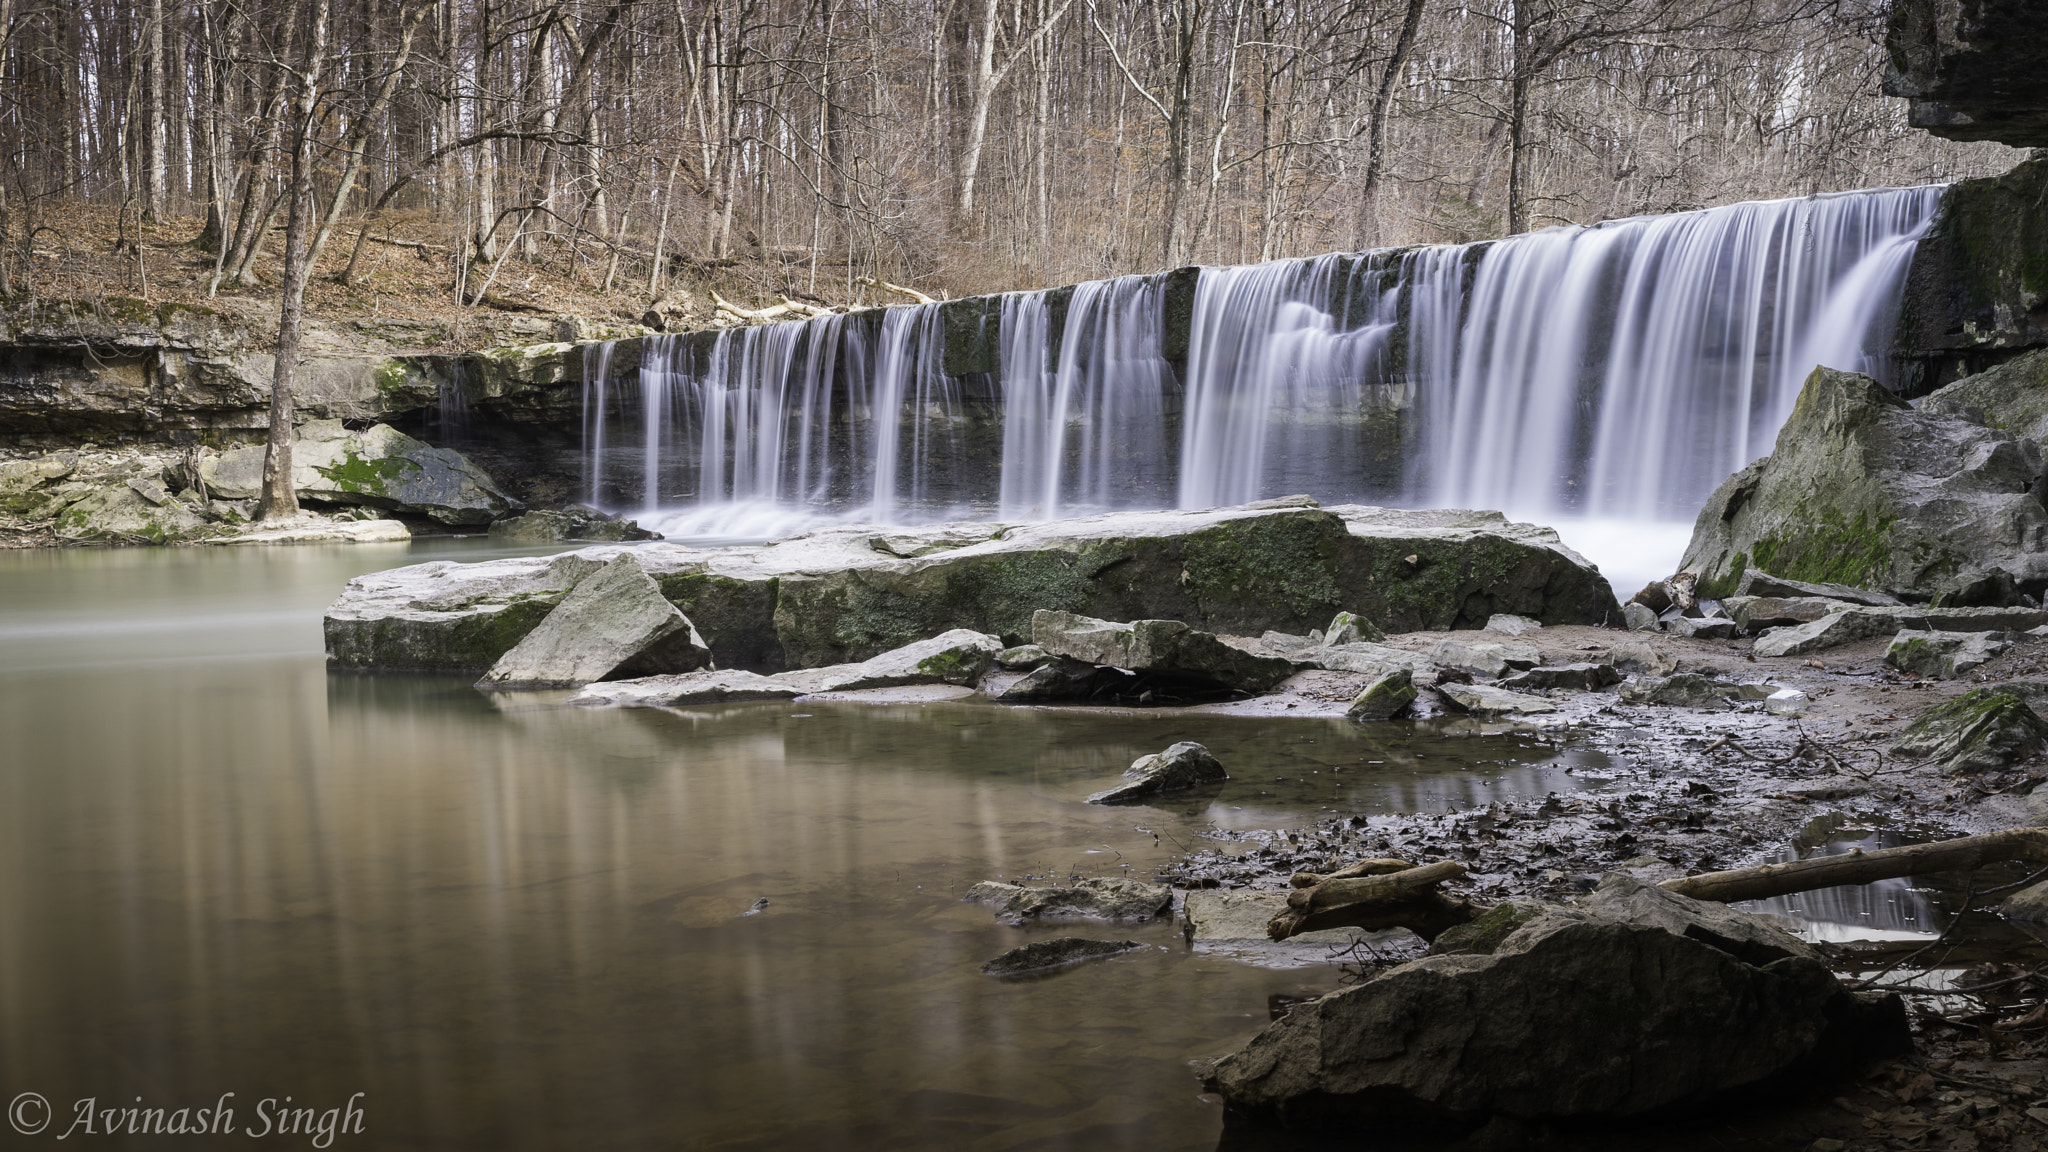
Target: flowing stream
1602	379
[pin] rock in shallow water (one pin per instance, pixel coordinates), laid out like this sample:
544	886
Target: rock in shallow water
1046	955
1161	647
720	687
1097	898
614	625
1634	1001
1385	698
957	657
1182	766
1481	700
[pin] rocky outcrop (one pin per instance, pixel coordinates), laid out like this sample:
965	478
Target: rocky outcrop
1972	69
380	467
834	596
1180	767
1632	1001
614	625
1863	490
1975	295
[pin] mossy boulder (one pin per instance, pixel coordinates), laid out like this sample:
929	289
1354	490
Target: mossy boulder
380	467
123	514
843	595
1980	731
1863	490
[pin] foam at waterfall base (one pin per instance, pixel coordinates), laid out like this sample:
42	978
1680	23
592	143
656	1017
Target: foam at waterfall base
1630	553
737	522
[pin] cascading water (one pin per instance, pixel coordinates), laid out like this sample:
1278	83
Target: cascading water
1611	372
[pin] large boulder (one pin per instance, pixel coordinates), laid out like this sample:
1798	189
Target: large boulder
1165	648
615	625
838	595
1863	490
379	468
1634	1001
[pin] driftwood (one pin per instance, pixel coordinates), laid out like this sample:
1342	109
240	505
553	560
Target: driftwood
2026	845
1396	894
1375	894
898	289
788	307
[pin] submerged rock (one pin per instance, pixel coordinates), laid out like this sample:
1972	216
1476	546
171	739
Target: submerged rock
1161	647
380	467
2029	904
1979	731
1692	1001
573	523
614	625
708	687
1863	491
1046	955
833	596
1098	898
1182	766
1386	697
1946	655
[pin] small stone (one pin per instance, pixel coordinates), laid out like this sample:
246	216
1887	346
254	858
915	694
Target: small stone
1510	624
1638	617
1351	628
1384	698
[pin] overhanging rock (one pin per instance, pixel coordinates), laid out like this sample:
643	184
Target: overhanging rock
837	596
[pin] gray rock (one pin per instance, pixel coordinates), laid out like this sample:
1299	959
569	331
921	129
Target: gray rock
1351	628
574	523
1756	582
1980	731
1511	625
1981	588
1022	658
613	625
2029	904
1864	491
1061	680
1756	613
1286	644
121	515
1971	70
708	687
1483	658
1946	655
1663	987
1162	647
1181	766
1369	659
380	467
1786	702
833	597
1702	628
1571	677
1096	898
1483	700
956	657
1642	656
1045	955
1682	690
1853	624
1386	697
1638	617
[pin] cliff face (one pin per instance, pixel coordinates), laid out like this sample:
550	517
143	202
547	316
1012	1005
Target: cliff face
1977	294
1973	69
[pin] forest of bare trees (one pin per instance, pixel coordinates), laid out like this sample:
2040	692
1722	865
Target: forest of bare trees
958	145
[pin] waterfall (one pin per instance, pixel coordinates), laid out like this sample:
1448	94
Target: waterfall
1617	371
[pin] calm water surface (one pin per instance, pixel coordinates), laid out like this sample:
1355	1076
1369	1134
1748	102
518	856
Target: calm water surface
511	924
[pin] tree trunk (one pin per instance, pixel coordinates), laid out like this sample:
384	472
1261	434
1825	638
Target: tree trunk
279	499
1375	153
1518	126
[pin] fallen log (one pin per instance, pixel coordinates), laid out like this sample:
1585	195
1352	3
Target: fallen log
788	307
2024	845
898	289
1376	867
1401	895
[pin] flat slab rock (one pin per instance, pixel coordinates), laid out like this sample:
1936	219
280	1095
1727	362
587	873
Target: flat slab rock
727	686
839	596
1096	898
1482	700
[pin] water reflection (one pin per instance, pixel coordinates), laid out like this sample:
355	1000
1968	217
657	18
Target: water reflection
1900	909
520	926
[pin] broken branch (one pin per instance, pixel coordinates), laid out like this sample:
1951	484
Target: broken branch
2029	845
